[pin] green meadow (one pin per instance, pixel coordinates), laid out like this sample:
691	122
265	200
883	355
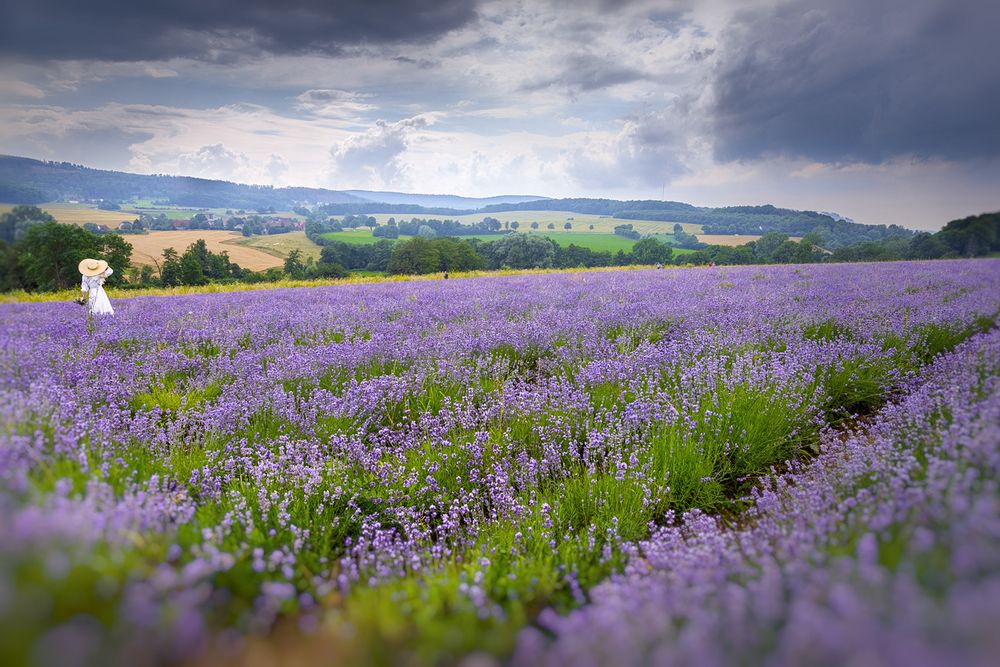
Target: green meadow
581	221
596	241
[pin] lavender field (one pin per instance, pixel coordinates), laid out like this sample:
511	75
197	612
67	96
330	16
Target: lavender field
762	465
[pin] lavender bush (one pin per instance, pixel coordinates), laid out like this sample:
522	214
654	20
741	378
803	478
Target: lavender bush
432	464
883	550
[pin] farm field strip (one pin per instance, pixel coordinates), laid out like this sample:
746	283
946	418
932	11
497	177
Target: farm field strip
147	247
600	238
417	457
357	236
581	221
279	245
734	239
594	241
79	214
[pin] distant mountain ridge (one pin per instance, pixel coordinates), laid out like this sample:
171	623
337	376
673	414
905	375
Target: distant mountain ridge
440	201
28	181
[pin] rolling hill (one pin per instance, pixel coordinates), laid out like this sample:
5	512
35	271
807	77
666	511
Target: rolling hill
28	181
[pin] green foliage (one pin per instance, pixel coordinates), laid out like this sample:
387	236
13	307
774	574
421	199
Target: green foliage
683	239
118	253
328	270
520	251
294	267
43	255
627	231
192	271
415	256
198	266
421	255
573	256
170	271
15	223
367	256
11	277
973	236
651	251
48	254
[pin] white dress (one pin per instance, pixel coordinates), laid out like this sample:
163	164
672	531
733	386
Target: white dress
97	300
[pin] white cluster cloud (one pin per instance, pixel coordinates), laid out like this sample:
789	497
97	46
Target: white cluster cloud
648	152
373	158
213	161
276	168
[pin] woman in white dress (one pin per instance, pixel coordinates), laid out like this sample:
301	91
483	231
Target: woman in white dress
95	271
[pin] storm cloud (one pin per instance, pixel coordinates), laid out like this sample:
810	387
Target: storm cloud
583	72
859	81
217	30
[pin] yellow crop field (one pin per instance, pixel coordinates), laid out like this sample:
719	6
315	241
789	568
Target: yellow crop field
147	247
279	245
733	239
80	214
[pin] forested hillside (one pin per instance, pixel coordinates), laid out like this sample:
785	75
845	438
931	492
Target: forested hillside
26	181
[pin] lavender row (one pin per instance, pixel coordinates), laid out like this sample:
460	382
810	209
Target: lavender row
226	459
884	549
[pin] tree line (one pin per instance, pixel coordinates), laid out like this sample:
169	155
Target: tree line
971	237
420	255
39	254
974	236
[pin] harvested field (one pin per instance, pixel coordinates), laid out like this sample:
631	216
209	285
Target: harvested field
279	245
734	239
147	247
80	214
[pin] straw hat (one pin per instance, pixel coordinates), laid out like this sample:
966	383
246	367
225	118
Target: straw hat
93	267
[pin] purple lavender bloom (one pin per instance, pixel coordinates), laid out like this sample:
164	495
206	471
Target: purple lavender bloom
214	463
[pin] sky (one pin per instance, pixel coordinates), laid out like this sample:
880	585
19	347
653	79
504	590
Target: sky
884	111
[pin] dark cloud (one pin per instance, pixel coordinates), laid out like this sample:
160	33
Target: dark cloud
584	72
421	63
860	80
217	30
